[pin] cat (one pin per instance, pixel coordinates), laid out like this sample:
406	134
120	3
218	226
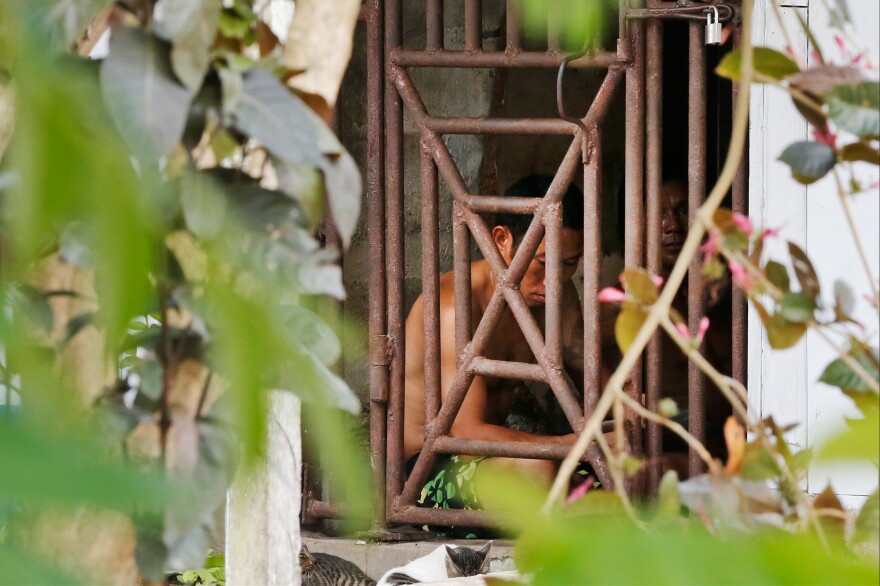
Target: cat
323	569
447	561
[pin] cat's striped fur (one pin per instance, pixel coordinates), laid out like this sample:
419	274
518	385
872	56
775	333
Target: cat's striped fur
323	569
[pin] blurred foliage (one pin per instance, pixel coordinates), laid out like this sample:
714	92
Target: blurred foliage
577	26
189	181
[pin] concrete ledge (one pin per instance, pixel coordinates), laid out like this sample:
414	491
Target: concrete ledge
377	558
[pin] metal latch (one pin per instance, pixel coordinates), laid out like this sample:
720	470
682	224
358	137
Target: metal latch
713	27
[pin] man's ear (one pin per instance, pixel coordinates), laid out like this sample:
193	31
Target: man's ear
504	241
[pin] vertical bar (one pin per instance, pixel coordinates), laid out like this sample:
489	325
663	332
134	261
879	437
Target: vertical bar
634	253
514	26
376	223
431	284
434	25
395	256
473	25
592	270
696	195
553	284
461	244
654	180
740	204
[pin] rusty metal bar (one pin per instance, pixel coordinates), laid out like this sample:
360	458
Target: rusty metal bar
451	517
434	25
693	13
473	25
501	449
431	284
492	59
553	285
376	281
522	126
592	271
461	249
696	195
513	26
499	203
654	182
395	255
634	252
504	369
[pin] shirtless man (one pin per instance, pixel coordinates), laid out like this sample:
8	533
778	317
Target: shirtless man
488	401
717	347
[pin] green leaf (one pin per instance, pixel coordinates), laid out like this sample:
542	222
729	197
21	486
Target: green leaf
844	300
68	20
818	81
304	184
669	499
858	442
860	151
839	374
868	521
758	464
628	324
191	26
797	307
809	161
804	271
41	467
343	180
272	114
233	26
638	284
768	62
856	108
33	305
800	461
204	207
21	567
781	333
777	274
146	101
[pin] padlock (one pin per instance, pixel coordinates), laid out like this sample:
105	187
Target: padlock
713	28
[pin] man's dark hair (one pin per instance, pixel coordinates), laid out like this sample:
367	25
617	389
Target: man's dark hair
537	186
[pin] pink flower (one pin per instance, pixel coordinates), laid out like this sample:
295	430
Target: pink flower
743	223
658	280
611	295
710	247
741	277
825	137
683	330
769	233
579	491
701	330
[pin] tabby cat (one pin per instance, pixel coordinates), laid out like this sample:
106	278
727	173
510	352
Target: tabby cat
447	561
323	569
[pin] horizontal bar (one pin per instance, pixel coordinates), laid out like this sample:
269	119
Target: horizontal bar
503	369
490	59
450	517
695	13
500	203
522	126
500	449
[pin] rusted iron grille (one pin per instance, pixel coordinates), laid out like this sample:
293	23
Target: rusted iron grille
390	90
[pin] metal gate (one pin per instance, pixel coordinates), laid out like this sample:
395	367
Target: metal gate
390	91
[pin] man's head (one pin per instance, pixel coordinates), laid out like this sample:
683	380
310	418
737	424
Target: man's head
674	220
509	230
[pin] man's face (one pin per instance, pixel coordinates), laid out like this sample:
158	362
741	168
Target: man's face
674	221
533	285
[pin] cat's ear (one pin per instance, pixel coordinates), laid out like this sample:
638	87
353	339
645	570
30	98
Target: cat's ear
453	567
305	556
484	551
